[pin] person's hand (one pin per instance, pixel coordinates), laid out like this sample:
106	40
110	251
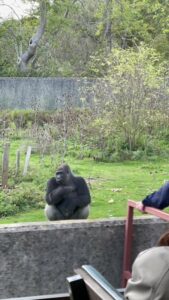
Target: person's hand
140	206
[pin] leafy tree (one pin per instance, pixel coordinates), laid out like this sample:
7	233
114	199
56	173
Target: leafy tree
17	32
130	100
25	57
69	33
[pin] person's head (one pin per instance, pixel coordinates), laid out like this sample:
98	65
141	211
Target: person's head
150	275
63	174
164	239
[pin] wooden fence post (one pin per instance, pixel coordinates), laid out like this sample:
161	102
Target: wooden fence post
17	162
28	155
5	165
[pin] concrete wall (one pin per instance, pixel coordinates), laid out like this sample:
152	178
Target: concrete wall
43	93
36	258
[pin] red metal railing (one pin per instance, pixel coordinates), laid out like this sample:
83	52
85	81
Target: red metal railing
126	274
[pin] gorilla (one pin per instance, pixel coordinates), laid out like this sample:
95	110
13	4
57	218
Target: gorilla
67	196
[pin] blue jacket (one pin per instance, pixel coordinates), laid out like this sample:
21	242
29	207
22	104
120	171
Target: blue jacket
159	199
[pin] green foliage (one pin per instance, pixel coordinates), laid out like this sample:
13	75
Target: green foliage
77	31
134	111
21	199
111	185
95	138
128	121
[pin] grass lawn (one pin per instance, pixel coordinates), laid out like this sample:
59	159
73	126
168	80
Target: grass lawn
111	185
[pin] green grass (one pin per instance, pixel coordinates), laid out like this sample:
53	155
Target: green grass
133	180
30	216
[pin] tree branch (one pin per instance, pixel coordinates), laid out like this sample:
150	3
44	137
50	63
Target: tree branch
7	5
34	41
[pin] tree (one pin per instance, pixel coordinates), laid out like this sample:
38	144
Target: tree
70	32
15	32
29	54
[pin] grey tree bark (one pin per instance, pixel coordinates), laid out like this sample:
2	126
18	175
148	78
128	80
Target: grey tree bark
108	23
29	54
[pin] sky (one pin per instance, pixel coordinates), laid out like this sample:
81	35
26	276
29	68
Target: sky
20	8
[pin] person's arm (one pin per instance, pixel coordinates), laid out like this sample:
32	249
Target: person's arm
158	199
53	193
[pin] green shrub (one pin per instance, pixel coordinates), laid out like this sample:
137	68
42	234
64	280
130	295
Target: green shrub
20	199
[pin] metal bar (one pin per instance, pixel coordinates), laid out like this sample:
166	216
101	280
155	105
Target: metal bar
150	210
127	244
64	296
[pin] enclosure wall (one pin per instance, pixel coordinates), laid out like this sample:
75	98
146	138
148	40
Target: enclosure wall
36	258
44	93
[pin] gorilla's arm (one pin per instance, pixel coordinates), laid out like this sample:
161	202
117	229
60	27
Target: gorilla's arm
55	192
57	195
83	194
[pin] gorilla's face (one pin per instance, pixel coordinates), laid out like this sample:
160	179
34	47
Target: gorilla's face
62	174
60	177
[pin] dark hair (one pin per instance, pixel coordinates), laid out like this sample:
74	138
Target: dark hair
164	239
64	168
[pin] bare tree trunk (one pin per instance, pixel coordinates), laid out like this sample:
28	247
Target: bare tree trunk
25	58
108	23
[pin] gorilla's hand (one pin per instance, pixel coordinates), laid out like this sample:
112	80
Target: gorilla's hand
57	194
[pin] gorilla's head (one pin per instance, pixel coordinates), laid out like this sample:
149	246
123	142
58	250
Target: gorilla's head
63	174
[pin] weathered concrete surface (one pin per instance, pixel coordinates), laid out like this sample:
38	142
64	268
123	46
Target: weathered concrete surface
36	258
43	93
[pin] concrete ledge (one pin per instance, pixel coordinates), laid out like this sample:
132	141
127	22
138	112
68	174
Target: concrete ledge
35	258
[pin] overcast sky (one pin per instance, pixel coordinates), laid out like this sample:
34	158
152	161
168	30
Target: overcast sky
18	6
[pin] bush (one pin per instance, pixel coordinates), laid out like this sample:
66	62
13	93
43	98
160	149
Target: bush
20	199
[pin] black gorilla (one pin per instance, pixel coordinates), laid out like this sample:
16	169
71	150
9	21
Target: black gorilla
67	196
